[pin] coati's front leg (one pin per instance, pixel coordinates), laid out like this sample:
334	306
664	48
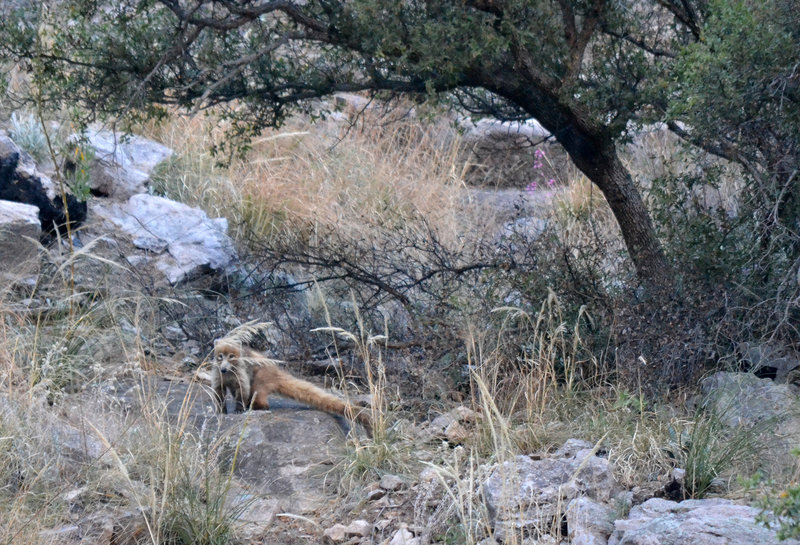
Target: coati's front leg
219	396
241	402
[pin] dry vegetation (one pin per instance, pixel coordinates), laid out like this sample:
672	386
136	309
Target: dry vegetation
533	363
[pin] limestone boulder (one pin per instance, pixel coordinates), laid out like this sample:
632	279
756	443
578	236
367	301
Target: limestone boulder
180	241
699	522
19	232
744	400
525	493
123	163
589	522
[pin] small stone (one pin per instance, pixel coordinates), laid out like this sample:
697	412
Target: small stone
73	495
376	494
335	534
465	414
428	475
456	433
382	524
404	537
678	474
360	528
391	482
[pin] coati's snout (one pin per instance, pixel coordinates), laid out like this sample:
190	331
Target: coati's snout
224	364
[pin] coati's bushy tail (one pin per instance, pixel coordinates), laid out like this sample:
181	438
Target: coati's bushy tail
305	392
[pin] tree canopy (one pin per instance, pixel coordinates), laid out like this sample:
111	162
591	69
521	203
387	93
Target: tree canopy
585	69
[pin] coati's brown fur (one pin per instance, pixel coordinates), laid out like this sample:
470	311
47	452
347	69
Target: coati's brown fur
251	377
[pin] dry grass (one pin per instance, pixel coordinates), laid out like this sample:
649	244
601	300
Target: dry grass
303	178
533	377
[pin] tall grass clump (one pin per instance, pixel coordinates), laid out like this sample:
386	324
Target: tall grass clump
387	450
296	180
709	450
27	132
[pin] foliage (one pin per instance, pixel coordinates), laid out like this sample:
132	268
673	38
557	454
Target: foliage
78	159
27	133
707	449
783	510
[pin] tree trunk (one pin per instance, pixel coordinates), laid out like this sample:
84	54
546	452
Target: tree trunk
601	164
626	203
592	149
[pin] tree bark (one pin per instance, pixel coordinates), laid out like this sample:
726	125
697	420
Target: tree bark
595	154
591	147
608	173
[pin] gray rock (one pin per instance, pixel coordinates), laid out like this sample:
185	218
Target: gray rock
283	454
404	537
589	522
453	426
360	528
523	494
391	482
528	229
503	154
186	243
19	232
764	358
335	534
123	163
257	517
699	522
744	400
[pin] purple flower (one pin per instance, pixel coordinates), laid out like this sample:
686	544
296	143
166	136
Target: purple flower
531	187
551	182
539	154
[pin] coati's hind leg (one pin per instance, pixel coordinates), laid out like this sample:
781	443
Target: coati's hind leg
259	401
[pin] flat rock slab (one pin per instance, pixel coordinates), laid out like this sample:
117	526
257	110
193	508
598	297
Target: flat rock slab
282	454
19	232
699	522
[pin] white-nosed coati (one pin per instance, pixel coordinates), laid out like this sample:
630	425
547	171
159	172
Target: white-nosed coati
251	377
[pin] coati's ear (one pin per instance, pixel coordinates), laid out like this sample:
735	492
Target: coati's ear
227	346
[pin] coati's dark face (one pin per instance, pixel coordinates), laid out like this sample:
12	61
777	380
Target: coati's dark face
226	357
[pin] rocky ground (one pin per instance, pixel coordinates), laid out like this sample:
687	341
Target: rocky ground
285	481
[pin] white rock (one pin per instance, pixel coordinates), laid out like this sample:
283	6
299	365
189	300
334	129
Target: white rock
699	522
335	533
123	163
589	522
391	482
19	235
404	537
187	243
360	528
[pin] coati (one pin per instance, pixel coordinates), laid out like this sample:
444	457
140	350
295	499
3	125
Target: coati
251	377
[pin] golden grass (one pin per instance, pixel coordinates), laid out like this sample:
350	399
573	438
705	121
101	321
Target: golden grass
306	177
300	181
